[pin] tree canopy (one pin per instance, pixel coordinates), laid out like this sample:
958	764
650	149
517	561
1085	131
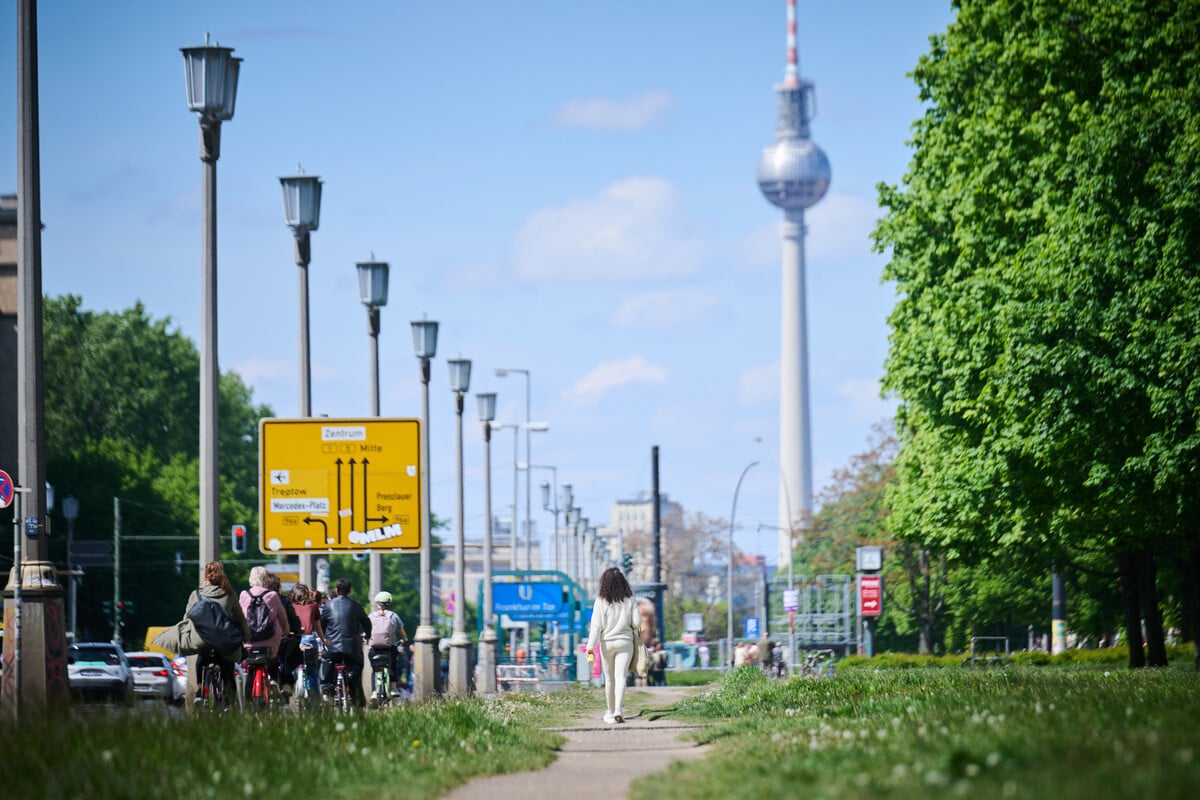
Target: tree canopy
1044	247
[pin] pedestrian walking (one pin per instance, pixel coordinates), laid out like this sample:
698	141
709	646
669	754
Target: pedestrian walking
615	621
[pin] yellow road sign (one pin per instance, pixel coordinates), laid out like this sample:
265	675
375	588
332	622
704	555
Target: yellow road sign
339	485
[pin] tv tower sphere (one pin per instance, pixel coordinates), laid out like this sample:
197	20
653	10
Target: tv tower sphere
793	173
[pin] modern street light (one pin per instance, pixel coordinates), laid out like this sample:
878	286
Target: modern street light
550	503
512	530
302	213
501	373
211	73
729	566
790	532
425	665
460	381
373	291
487	640
70	510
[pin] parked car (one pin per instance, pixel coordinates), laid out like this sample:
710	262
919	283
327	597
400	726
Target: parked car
152	676
179	675
100	669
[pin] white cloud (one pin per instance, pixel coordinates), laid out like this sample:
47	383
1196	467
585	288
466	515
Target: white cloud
636	113
256	369
759	384
670	309
610	375
865	402
633	229
475	277
839	228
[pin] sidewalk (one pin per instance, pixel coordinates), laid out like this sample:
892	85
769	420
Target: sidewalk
599	761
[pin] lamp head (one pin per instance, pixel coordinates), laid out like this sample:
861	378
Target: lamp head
211	76
460	375
373	283
487	406
425	333
301	201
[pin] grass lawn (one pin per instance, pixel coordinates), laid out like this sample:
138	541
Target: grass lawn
1021	732
422	749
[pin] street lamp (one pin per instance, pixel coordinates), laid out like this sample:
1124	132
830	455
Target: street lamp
460	381
512	531
791	660
425	666
70	510
550	503
373	291
487	641
502	372
729	566
302	213
211	74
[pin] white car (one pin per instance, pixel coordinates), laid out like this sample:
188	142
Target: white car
100	668
153	676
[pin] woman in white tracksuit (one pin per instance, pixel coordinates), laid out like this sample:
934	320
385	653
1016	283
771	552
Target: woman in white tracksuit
615	621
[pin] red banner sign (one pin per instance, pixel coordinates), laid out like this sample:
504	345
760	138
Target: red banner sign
870	595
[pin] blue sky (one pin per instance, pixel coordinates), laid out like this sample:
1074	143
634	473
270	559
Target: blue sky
566	187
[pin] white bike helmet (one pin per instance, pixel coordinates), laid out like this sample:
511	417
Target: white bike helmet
384	598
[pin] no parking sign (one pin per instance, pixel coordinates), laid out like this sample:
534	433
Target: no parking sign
6	490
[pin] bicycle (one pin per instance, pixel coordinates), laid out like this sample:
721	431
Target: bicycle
341	684
210	693
257	661
303	695
381	676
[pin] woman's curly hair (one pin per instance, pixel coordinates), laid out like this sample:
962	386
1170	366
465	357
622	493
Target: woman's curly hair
613	586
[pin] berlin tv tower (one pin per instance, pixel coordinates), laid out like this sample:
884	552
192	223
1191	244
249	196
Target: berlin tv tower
793	173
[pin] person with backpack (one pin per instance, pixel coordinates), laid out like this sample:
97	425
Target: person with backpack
387	629
213	625
266	619
283	667
346	625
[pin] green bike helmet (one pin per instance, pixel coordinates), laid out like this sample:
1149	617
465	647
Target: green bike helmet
384	598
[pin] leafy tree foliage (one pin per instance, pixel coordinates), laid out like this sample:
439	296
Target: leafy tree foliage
1045	341
122	421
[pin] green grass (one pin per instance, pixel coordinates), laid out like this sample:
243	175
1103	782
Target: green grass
692	677
426	748
1025	732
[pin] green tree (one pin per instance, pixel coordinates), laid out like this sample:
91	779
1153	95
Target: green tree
122	421
1045	341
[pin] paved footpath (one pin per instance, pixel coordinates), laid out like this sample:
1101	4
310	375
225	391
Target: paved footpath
599	761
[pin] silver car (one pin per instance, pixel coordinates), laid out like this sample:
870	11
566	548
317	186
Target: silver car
100	668
153	676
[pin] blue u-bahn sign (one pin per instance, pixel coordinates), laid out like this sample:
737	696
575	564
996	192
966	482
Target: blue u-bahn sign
531	602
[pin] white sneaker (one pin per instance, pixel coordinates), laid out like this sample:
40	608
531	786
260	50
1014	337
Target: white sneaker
609	718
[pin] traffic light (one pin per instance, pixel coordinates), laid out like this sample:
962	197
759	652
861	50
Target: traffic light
239	538
106	607
627	562
178	563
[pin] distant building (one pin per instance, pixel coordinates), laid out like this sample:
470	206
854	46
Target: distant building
633	517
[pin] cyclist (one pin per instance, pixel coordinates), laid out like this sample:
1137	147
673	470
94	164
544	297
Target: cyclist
387	629
275	627
186	639
346	625
308	611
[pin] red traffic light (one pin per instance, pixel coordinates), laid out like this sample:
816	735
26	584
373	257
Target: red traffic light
239	538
